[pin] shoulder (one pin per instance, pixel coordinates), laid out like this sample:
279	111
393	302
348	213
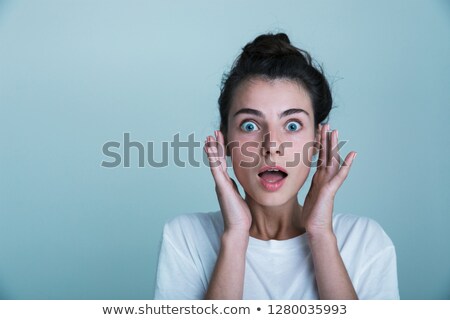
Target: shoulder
191	225
369	256
195	220
365	231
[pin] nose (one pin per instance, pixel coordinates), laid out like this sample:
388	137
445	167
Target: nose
270	144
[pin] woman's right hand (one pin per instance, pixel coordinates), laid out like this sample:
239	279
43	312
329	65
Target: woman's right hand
227	280
235	211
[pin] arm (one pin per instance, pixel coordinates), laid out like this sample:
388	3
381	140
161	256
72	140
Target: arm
227	281
333	281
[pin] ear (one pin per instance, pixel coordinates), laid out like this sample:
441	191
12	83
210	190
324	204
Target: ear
317	139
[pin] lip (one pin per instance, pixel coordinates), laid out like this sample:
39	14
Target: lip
272	186
265	168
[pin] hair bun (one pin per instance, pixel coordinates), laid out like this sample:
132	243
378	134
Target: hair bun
270	45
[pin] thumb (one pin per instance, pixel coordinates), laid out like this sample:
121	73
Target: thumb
235	185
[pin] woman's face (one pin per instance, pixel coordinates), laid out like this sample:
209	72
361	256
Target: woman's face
271	123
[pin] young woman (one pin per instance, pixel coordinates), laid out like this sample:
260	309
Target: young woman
273	106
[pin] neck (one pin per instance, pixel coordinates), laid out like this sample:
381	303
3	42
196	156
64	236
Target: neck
274	222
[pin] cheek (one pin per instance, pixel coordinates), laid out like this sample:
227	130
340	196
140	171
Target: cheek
245	158
243	175
308	152
298	153
245	153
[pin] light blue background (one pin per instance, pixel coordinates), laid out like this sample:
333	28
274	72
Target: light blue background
76	74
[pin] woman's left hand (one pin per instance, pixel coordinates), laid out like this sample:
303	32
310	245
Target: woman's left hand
316	215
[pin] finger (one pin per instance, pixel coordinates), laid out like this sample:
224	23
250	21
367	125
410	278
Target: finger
323	147
211	151
217	171
344	170
221	148
334	154
329	147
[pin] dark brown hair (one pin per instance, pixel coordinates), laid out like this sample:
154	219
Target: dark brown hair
271	56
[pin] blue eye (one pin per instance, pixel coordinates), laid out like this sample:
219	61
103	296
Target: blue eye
248	126
293	126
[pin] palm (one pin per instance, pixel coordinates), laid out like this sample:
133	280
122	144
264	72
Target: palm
234	209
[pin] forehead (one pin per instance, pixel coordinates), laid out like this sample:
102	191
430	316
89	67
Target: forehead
270	96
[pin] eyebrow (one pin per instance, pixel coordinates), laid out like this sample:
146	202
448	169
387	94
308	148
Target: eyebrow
261	115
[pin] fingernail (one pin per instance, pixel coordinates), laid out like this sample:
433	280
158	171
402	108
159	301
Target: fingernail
354	156
337	134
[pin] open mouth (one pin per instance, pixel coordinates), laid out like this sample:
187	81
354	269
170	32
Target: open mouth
272	178
272	175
